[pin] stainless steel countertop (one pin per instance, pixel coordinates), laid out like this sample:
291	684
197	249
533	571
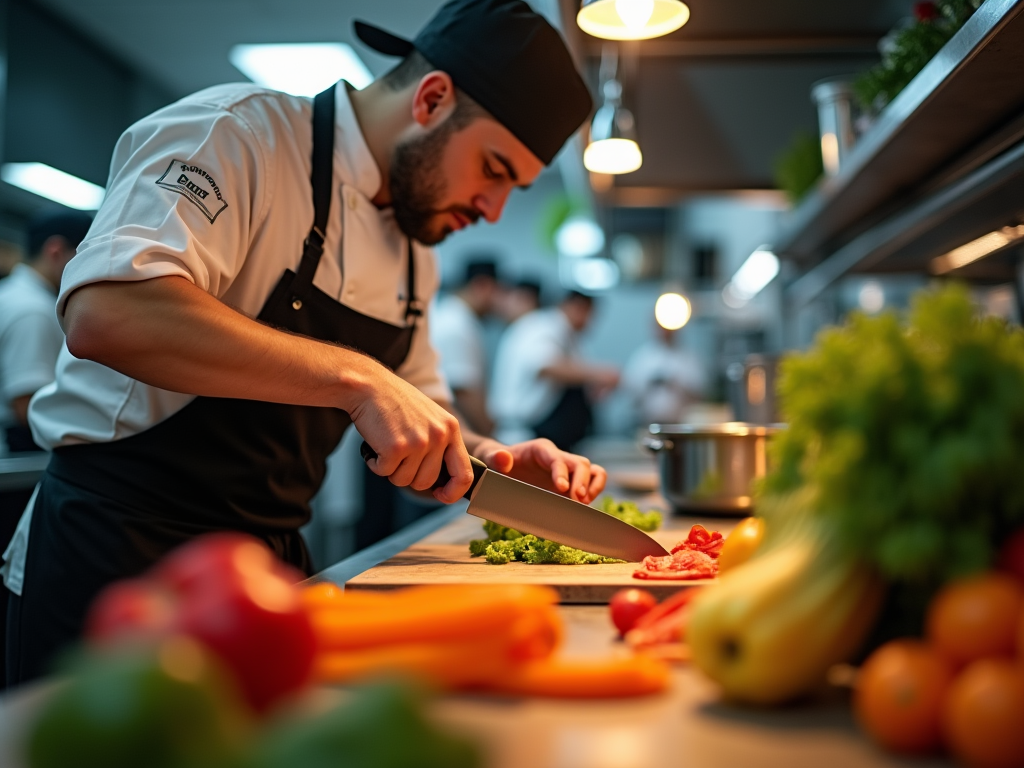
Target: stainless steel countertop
22	471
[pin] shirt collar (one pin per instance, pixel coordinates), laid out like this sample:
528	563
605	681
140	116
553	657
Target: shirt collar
25	274
364	173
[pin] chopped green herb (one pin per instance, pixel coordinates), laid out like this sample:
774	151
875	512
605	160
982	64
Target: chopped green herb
503	545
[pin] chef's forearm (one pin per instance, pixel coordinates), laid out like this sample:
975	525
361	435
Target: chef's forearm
168	333
574	373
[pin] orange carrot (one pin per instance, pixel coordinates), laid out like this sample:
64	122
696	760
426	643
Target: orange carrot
586	679
458	614
447	666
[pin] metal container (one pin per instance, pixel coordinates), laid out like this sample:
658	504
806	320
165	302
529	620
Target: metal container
758	404
834	99
710	468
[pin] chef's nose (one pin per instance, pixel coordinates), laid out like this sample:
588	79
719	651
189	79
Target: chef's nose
491	204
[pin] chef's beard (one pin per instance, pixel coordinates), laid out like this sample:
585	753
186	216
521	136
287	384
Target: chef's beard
417	185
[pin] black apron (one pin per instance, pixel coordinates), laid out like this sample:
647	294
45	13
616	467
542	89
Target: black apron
569	421
107	511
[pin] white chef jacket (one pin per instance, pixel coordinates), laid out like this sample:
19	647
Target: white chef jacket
30	337
519	396
662	380
215	188
458	336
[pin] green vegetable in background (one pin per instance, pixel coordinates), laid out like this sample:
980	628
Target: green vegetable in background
913	437
169	707
379	727
911	49
503	545
799	166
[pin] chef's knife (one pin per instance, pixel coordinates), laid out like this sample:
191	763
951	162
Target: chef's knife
527	508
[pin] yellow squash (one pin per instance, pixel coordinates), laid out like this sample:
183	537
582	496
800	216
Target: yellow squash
741	544
768	631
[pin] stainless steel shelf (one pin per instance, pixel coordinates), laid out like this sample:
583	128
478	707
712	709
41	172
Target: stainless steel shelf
986	199
971	89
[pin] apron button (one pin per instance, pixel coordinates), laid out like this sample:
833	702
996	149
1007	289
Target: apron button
297	304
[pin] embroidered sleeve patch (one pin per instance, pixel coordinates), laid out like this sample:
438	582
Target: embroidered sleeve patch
195	185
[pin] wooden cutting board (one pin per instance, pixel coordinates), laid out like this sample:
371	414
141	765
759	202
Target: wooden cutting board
428	563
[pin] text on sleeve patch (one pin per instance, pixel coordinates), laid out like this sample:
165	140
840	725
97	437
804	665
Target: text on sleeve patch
195	185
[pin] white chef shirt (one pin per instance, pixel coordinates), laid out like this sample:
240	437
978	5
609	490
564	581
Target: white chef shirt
519	396
458	336
662	380
30	337
215	188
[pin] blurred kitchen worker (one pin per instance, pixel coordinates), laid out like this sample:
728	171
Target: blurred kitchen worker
30	336
662	378
30	339
226	322
520	299
541	385
457	334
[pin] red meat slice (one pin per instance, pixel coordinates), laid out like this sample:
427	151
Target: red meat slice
702	540
695	557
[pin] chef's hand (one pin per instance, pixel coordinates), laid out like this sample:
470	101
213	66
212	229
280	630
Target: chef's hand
540	463
412	436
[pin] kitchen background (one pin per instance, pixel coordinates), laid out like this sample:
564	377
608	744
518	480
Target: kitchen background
724	116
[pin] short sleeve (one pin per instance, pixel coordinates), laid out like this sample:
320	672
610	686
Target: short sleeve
186	188
544	348
28	353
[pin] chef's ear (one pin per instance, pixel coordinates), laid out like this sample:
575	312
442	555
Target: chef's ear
434	99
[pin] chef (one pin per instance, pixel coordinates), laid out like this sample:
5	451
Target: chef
257	280
541	382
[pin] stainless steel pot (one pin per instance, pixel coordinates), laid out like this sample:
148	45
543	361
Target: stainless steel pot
710	467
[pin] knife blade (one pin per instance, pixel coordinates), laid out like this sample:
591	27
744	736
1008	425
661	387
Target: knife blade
547	515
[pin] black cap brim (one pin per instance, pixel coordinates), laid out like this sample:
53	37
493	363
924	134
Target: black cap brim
383	41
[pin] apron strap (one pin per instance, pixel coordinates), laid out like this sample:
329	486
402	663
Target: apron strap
322	179
412	304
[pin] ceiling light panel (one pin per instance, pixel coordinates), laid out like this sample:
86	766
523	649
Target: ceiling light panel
53	184
301	69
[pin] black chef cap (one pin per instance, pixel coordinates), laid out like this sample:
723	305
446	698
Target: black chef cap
71	225
509	60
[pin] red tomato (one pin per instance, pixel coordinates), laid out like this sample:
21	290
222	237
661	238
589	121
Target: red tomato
627	606
214	557
229	592
135	608
257	625
1011	555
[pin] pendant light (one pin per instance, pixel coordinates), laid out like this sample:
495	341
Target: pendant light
613	148
631	19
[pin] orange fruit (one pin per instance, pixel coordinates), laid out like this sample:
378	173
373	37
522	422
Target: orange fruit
977	617
741	544
983	717
899	695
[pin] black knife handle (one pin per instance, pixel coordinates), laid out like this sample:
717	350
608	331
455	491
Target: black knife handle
442	479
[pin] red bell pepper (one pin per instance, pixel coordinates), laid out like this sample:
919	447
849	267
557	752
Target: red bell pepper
229	592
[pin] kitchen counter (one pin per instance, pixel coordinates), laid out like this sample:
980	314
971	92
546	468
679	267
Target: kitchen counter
687	726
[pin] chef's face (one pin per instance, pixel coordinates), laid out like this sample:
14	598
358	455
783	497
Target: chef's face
449	173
